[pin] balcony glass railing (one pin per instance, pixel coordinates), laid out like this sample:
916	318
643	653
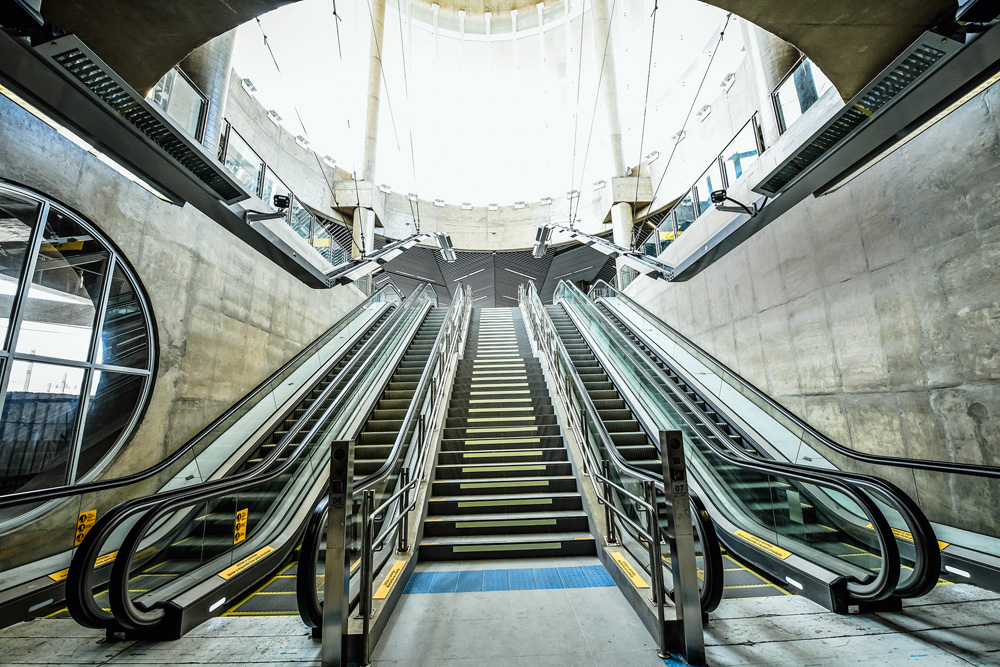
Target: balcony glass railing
181	100
798	91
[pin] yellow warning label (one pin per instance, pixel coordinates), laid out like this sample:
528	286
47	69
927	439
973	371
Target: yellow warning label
253	558
240	533
763	545
905	535
629	571
102	560
390	580
105	559
84	523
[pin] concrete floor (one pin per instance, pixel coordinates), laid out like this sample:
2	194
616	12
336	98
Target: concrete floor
954	625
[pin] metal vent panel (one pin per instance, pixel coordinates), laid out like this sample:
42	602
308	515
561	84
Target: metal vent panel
913	64
74	59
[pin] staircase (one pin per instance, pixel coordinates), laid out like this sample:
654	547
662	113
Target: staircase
504	486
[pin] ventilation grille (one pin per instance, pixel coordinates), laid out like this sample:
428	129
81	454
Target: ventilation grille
907	69
96	77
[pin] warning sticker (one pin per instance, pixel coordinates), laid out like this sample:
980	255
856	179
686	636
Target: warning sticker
84	523
102	560
252	559
240	533
905	535
390	580
629	571
762	544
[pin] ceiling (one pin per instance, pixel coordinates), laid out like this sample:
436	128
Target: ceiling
850	40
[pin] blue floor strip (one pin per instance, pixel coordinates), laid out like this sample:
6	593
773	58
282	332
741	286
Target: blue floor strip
521	579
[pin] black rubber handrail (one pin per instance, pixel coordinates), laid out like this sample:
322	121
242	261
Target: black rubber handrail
67	491
711	591
79	588
884	583
927	564
992	472
125	612
310	609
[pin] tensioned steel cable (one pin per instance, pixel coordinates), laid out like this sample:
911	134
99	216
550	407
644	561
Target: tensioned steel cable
694	100
593	115
295	107
645	109
409	119
576	116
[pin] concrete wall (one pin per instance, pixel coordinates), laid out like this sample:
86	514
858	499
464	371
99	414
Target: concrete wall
226	317
874	312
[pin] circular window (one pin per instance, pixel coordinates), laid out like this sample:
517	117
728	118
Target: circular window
78	348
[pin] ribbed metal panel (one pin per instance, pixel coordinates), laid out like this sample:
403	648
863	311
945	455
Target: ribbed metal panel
576	264
513	269
908	68
81	64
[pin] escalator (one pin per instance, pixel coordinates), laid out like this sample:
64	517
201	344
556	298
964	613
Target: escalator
783	520
959	498
182	556
41	529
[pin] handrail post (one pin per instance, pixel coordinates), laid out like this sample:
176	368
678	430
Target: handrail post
687	632
609	516
656	571
583	431
337	587
404	504
367	546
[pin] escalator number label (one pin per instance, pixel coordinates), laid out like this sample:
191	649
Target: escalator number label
241	525
84	523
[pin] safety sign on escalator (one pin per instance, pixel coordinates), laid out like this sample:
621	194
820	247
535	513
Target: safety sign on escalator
84	523
240	532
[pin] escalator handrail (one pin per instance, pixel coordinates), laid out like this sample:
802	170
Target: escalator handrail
712	591
992	472
67	491
415	403
79	596
927	564
884	583
308	605
124	609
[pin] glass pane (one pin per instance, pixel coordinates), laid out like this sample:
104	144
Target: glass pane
17	219
740	153
685	213
301	220
65	289
272	186
709	181
114	398
179	100
39	415
123	340
243	162
800	91
665	232
323	243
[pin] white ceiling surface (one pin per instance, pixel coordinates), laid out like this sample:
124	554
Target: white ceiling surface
477	120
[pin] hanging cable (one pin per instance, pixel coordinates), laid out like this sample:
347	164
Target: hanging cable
694	100
642	133
597	99
576	116
409	118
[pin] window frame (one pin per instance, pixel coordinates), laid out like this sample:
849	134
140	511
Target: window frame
8	355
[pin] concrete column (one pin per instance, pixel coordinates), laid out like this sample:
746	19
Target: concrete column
364	218
363	231
770	58
209	66
621	228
